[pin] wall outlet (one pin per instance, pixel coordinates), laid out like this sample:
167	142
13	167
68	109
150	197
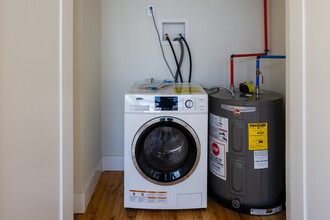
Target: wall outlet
151	7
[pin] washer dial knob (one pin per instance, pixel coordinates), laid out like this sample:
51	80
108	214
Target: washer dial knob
189	103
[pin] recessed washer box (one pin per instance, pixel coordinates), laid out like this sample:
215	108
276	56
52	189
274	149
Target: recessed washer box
173	27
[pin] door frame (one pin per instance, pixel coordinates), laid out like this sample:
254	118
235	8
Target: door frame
66	107
295	110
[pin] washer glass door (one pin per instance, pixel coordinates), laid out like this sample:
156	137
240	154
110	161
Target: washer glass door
166	150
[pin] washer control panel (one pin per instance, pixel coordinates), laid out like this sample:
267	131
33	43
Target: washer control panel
154	103
194	104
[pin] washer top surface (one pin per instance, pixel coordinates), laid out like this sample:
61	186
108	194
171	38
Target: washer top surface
169	89
172	98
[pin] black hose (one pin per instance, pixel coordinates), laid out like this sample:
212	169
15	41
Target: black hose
181	57
190	61
176	60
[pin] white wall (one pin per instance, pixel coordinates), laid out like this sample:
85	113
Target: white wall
130	50
308	122
35	110
87	143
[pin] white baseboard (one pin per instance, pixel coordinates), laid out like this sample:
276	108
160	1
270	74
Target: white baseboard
113	163
79	203
81	200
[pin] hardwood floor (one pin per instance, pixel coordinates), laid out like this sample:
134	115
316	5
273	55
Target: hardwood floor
108	203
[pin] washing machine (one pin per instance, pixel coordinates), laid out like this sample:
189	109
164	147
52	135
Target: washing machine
166	147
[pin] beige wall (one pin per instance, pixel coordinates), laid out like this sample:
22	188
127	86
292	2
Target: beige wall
275	78
307	110
218	28
317	105
87	147
34	171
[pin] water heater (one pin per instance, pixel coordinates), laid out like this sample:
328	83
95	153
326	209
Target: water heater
247	151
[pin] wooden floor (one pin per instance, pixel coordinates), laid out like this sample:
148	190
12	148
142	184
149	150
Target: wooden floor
108	203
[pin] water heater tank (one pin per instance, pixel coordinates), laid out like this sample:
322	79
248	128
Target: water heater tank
247	151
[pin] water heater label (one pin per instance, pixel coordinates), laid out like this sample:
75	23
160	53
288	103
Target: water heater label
260	159
258	136
219	129
217	159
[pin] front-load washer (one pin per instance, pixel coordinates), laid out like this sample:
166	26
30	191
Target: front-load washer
166	147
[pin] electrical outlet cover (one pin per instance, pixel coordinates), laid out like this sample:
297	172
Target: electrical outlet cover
149	11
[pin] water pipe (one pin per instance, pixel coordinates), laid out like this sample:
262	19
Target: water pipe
272	57
266	26
252	54
249	55
258	72
232	73
258	75
232	65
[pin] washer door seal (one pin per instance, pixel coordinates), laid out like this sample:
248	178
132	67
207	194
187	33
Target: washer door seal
166	150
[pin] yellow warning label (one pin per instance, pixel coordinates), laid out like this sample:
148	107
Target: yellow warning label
258	136
187	90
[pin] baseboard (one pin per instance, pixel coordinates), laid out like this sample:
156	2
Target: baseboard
79	203
113	163
81	200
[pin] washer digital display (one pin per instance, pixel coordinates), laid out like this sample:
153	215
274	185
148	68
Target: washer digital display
166	103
